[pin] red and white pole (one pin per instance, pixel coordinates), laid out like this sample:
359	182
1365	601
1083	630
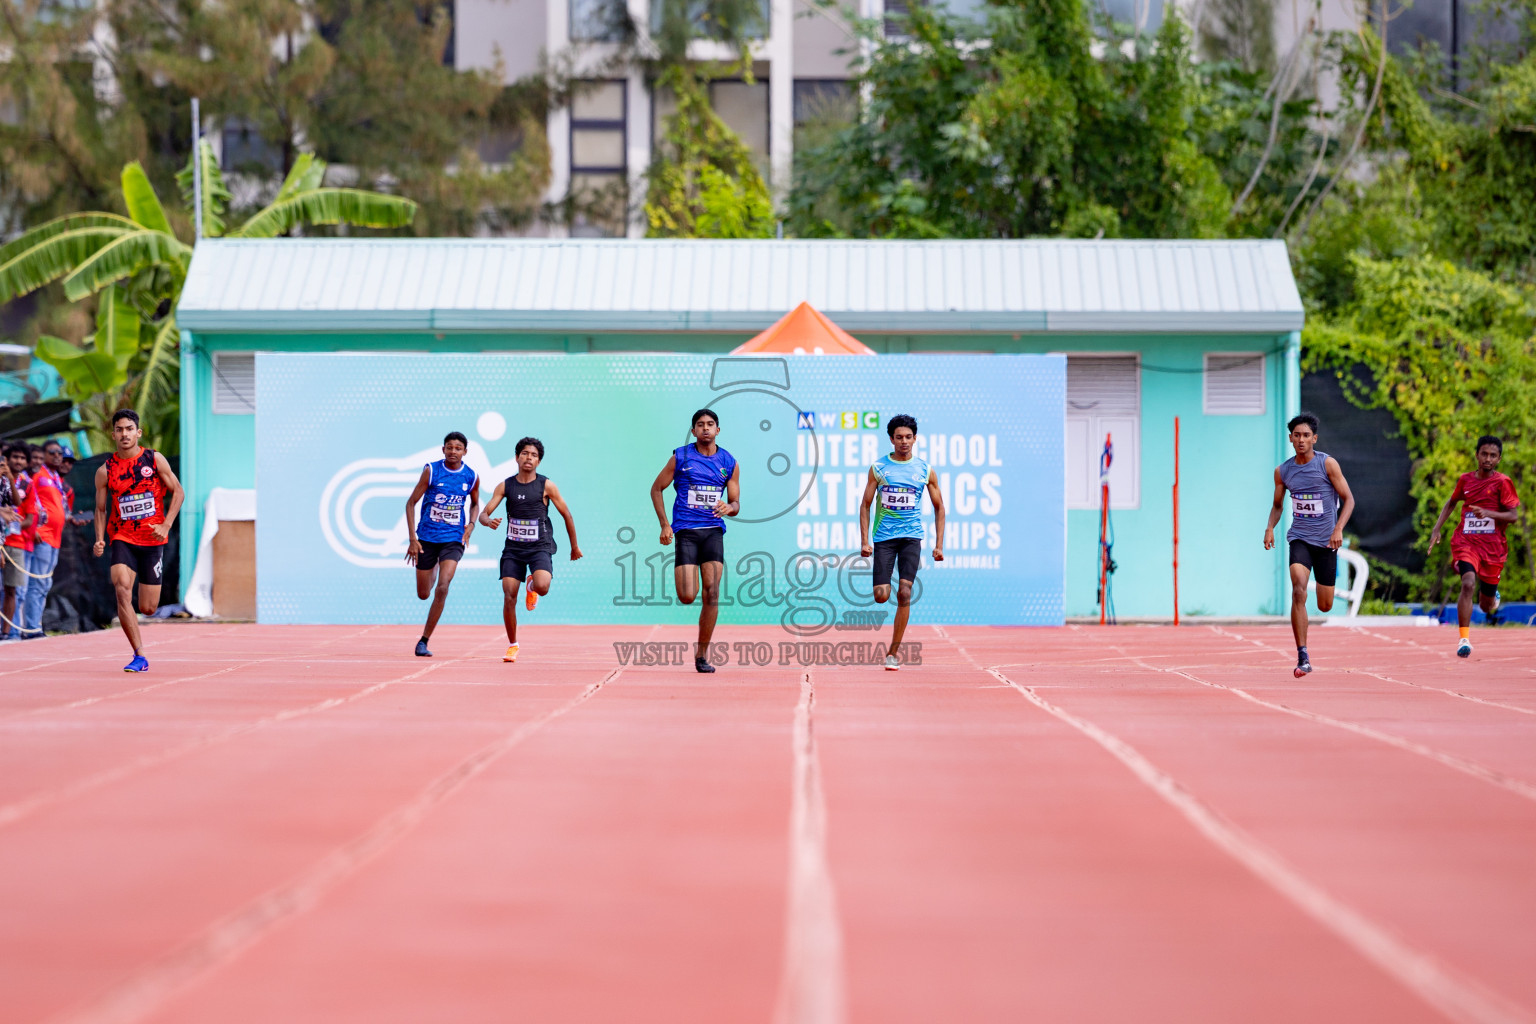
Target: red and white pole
1175	520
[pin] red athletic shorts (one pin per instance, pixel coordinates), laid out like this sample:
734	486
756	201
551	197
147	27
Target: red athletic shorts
1488	571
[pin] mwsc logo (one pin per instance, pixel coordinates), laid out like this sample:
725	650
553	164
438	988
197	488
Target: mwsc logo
838	421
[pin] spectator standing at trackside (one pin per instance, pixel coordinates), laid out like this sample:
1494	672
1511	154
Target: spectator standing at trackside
67	458
18	537
10	522
48	492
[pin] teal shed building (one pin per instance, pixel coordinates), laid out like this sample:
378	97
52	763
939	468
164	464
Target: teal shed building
1206	331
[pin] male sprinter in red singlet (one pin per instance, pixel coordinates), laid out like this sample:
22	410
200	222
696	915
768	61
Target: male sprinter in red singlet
137	498
1478	547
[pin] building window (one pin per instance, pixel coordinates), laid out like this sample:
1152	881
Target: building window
234	383
1103	400
599	21
246	150
599	167
823	99
704	22
743	106
1234	383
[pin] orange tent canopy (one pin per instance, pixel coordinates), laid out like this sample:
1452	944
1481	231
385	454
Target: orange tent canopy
805	331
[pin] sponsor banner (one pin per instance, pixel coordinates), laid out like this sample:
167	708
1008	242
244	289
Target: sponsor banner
342	439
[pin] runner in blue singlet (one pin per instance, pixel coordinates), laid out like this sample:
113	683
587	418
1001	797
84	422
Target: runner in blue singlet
449	492
708	483
897	481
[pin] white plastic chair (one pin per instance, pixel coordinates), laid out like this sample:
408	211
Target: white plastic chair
1359	572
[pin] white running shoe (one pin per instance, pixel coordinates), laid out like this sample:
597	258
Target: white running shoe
892	663
1464	648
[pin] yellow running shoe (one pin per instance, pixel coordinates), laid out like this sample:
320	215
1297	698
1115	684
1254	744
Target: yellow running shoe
511	654
530	599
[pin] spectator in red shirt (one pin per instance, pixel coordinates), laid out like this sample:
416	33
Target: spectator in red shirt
18	539
48	494
75	518
1478	547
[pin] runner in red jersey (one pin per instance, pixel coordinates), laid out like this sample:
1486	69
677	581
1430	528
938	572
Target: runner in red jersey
137	498
1478	547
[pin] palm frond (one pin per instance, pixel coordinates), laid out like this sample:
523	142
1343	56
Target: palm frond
160	381
55	255
117	325
215	191
307	175
139	196
353	206
125	256
85	373
58	226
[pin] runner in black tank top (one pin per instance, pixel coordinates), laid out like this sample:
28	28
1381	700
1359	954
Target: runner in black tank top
530	548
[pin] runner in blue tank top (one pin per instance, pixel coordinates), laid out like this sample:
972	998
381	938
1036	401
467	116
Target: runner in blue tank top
708	483
895	488
449	492
1317	488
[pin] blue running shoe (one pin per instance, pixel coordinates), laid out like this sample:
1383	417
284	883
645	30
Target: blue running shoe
138	664
421	648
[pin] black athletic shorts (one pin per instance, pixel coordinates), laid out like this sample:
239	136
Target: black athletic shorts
904	554
147	560
1324	562
518	564
1483	586
700	545
434	551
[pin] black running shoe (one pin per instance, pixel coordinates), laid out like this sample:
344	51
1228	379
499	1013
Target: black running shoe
702	665
421	649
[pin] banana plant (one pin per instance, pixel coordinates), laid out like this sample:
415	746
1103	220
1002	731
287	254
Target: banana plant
136	266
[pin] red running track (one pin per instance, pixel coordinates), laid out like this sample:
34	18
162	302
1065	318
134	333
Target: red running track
306	824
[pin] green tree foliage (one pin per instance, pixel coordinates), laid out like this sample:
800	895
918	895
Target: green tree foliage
136	266
1452	355
703	182
1015	127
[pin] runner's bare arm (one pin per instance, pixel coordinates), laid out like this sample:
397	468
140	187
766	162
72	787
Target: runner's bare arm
414	547
1274	512
732	504
485	513
1445	513
1508	515
555	499
937	497
1336	477
174	496
101	511
663	481
866	547
474	509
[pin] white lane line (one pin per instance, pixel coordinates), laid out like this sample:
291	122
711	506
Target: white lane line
1449	693
1367	672
86	702
1461	998
149	989
16	811
1519	787
811	989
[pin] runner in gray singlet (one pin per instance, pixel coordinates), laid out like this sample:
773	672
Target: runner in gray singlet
1321	503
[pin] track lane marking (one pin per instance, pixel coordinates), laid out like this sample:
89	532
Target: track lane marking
811	989
18	810
1461	998
85	702
148	989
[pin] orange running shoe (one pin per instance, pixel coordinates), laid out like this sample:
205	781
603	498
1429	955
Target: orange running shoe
511	654
530	599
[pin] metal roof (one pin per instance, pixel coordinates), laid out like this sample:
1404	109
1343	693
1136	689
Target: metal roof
957	286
